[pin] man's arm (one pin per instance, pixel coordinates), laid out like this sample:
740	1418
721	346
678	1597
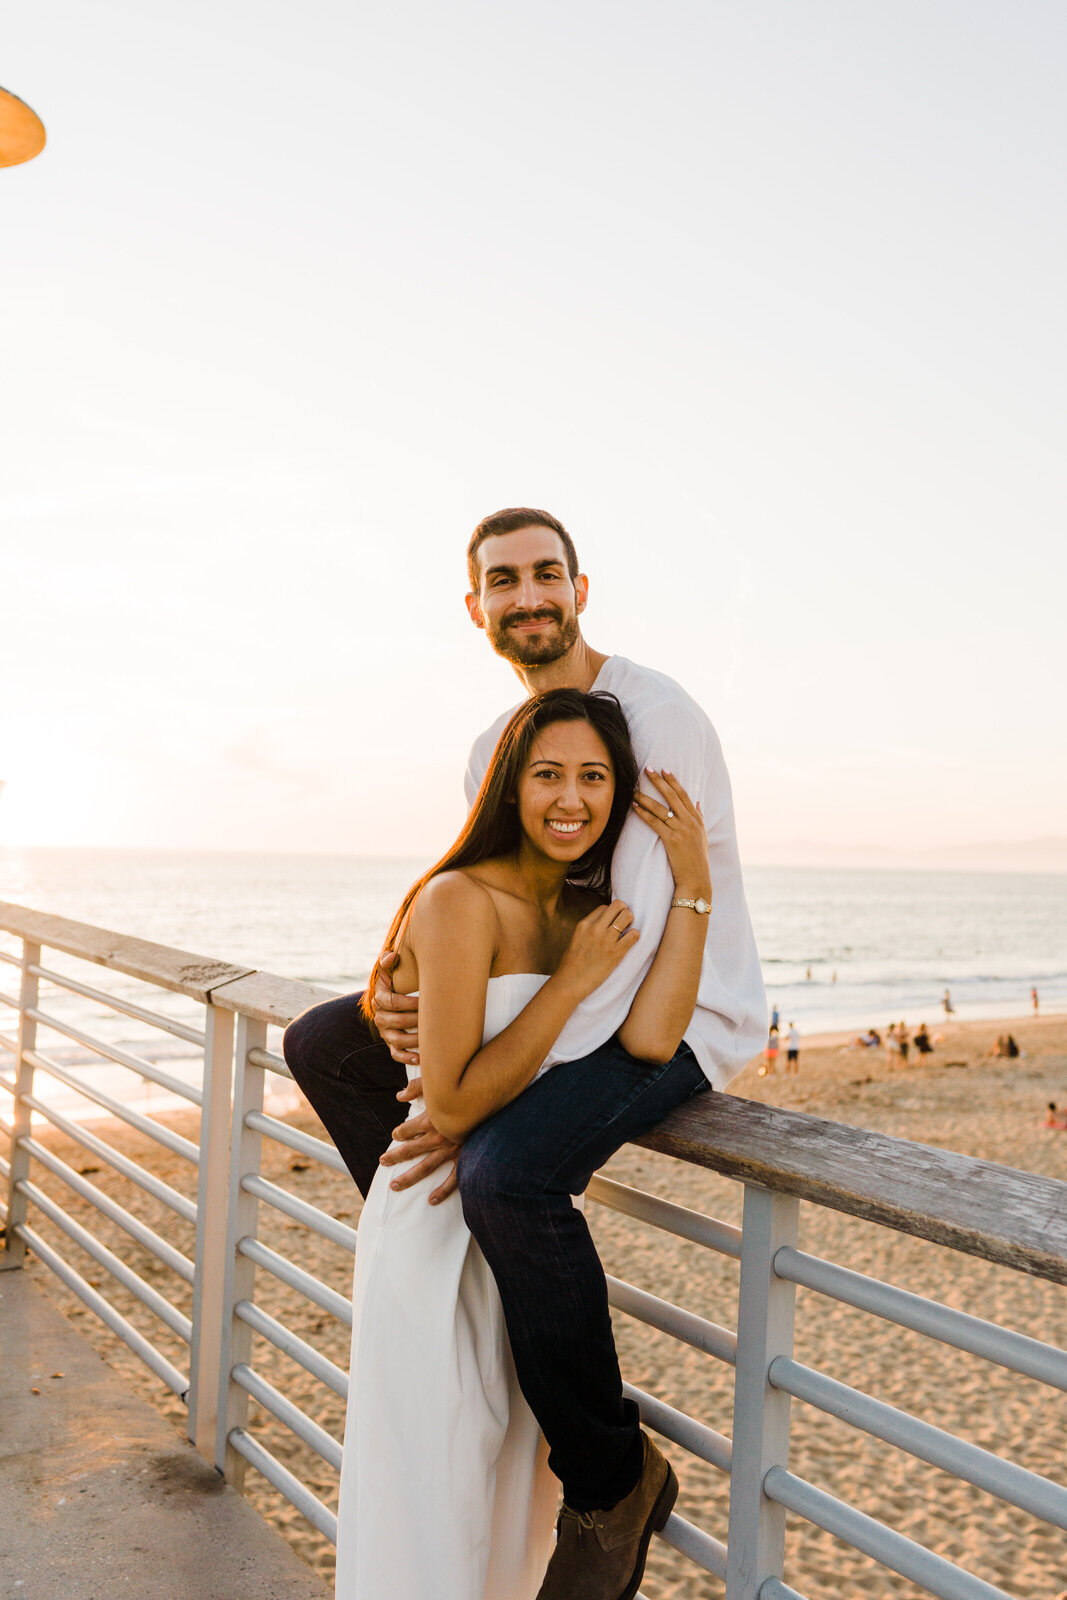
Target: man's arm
729	1021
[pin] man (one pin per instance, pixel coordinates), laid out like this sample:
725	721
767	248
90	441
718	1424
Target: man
518	1171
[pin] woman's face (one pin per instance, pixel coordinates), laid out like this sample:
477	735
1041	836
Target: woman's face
566	790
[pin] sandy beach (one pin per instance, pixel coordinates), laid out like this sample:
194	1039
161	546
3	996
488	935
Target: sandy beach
960	1098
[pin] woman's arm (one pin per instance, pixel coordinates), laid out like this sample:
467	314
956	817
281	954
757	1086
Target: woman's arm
663	1006
452	934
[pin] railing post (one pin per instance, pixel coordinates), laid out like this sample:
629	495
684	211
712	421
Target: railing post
212	1188
756	1545
242	1212
14	1252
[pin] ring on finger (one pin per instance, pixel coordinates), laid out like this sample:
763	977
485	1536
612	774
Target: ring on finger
670	813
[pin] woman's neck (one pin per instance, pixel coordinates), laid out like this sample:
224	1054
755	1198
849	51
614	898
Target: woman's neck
538	879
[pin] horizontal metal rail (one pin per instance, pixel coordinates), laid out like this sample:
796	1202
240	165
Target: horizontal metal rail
664	1214
310	1216
11	1000
696	1437
156	1018
269	1062
775	1589
668	1318
152	1130
293	1139
315	1437
118	1324
171	1198
12	961
1004	1346
110	1208
693	1542
291	1345
9	1042
1027	1490
150	1298
297	1493
942	1578
124	1058
304	1283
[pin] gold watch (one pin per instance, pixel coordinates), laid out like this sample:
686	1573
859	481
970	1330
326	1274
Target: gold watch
702	907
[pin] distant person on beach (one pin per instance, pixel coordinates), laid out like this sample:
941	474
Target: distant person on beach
1033	998
903	1041
518	1168
946	1002
867	1040
792	1055
770	1055
922	1040
774	1020
1055	1119
1006	1046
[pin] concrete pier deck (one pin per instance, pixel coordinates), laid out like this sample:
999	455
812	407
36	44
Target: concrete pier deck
101	1497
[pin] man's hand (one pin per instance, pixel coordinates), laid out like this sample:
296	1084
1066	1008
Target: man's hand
419	1137
396	1016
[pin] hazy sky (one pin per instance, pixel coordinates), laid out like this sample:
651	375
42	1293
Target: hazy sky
765	301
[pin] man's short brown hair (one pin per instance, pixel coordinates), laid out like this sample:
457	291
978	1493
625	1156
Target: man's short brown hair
510	521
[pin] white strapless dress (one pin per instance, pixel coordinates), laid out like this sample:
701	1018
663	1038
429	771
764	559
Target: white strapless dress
445	1487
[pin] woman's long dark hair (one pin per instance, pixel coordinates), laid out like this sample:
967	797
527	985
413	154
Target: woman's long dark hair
493	829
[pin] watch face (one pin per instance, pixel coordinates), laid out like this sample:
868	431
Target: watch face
702	906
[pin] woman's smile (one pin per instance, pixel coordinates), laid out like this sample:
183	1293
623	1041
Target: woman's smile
569	767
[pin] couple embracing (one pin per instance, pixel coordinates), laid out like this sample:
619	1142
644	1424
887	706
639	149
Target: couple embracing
551	989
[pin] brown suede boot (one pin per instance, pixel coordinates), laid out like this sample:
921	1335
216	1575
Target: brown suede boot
600	1555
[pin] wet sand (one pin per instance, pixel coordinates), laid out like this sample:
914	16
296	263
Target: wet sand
960	1098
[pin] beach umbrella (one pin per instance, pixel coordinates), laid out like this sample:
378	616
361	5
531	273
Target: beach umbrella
22	132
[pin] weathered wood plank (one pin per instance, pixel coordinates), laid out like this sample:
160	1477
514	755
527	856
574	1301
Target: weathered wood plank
269	998
179	970
1016	1218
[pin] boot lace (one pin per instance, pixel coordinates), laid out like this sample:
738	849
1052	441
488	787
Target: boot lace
586	1520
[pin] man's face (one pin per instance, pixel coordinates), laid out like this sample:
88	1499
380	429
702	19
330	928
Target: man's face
526	601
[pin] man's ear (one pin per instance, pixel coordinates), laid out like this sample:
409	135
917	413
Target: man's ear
474	610
581	592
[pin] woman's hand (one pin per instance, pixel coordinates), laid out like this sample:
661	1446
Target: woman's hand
679	822
597	945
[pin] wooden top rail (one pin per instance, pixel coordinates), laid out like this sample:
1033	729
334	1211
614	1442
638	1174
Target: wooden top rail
1014	1218
178	970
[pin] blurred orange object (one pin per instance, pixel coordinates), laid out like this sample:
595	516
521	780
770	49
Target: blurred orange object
22	134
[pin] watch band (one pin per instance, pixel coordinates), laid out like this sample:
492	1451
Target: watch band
702	907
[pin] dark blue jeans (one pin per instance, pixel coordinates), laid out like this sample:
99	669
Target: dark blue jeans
517	1173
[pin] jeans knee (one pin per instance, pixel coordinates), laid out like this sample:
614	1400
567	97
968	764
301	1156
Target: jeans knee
295	1042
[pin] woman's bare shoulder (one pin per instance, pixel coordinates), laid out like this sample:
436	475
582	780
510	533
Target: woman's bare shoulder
450	895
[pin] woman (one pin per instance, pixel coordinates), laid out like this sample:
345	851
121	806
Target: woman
445	1489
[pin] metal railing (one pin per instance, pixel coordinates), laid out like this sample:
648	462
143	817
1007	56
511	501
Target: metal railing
1012	1218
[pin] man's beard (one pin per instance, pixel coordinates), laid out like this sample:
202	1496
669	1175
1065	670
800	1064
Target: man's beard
534	649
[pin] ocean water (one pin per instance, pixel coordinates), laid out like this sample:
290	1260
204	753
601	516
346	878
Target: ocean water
878	945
